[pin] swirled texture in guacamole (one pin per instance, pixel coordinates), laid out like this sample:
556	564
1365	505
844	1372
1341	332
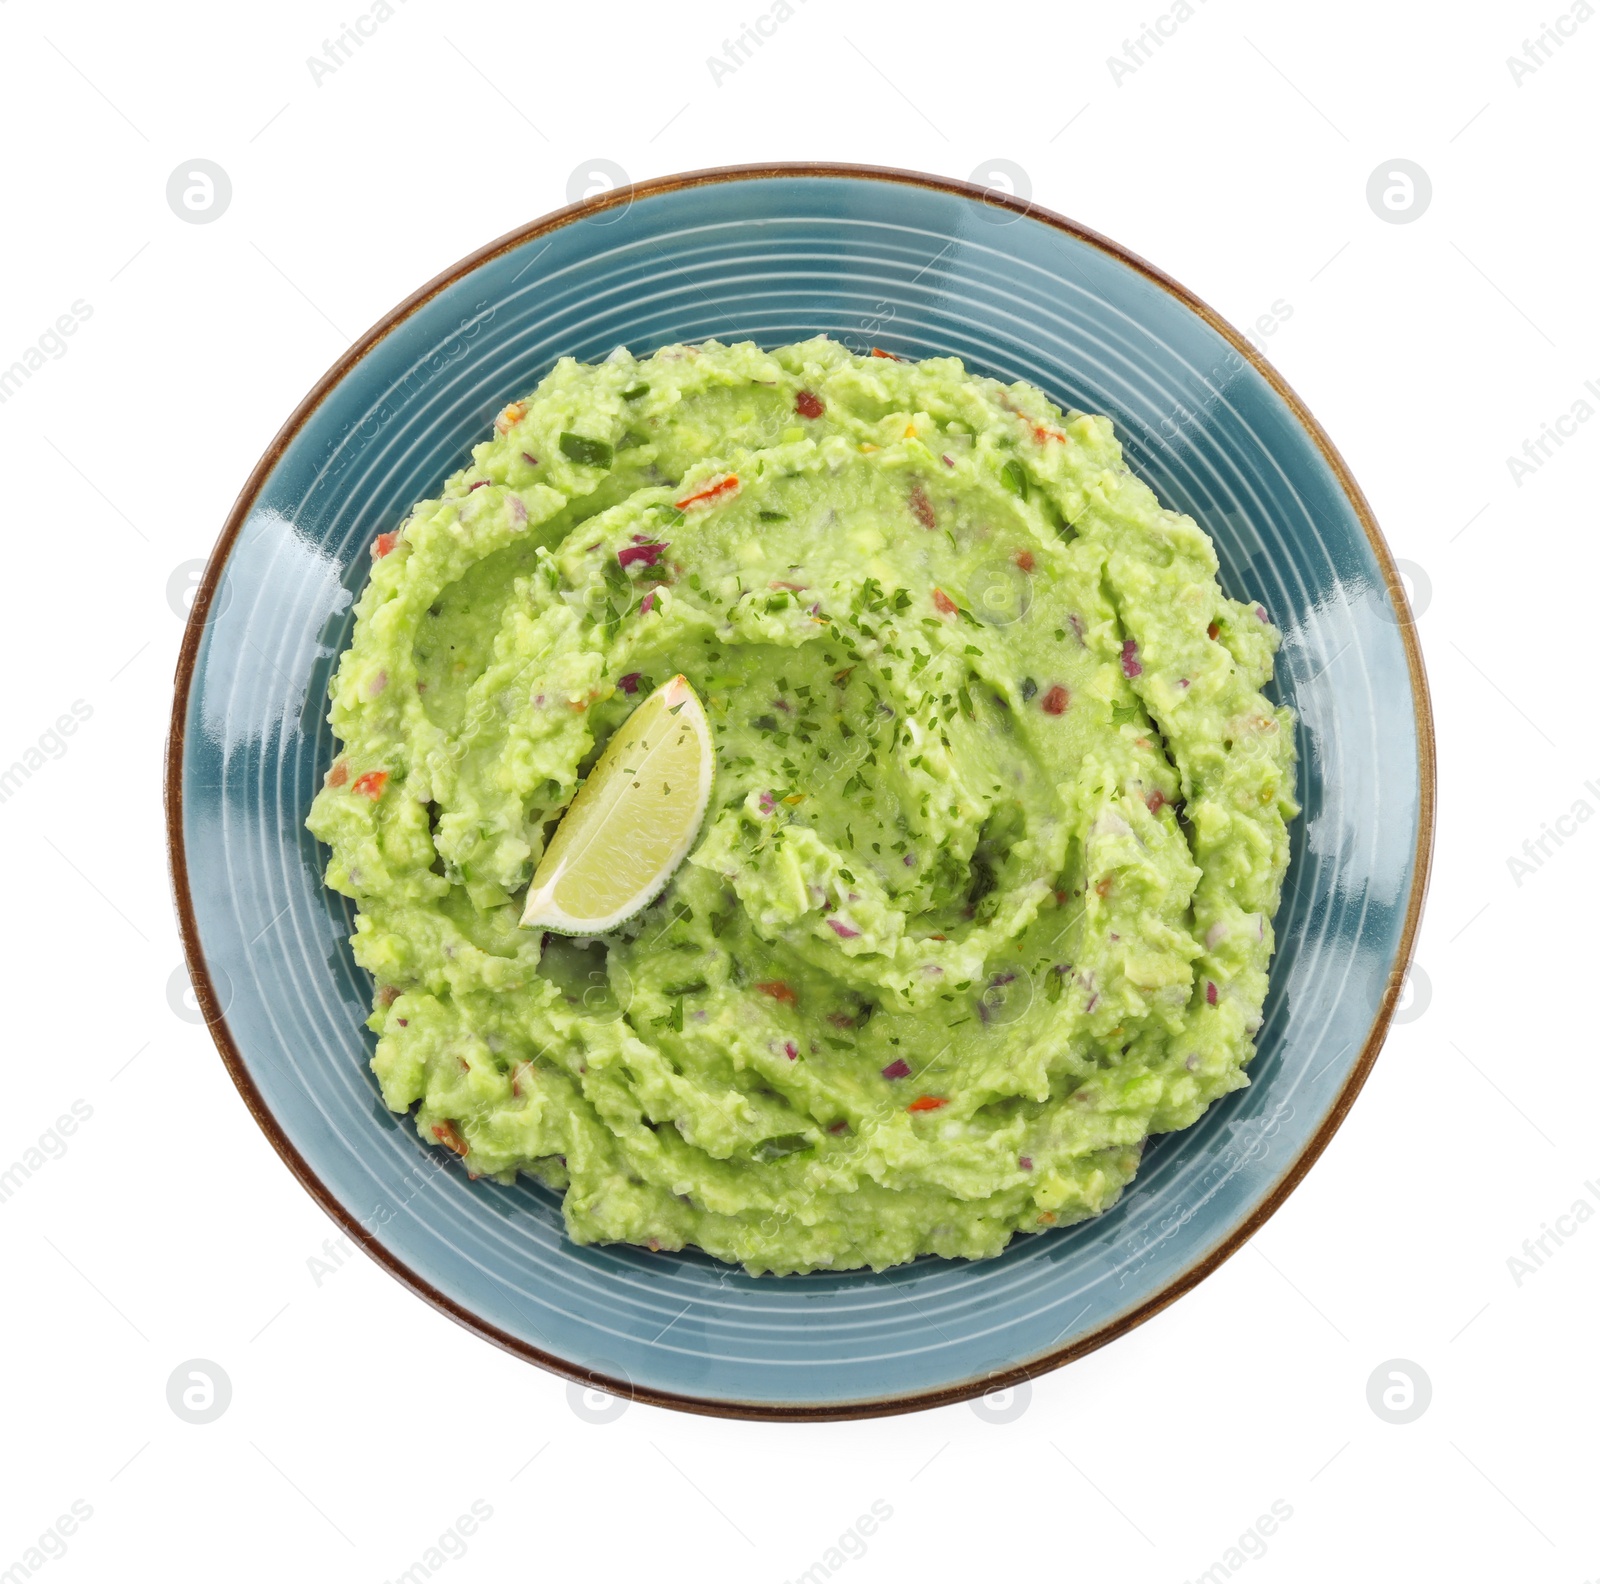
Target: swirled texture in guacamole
984	895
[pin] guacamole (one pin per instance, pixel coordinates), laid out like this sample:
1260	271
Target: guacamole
983	896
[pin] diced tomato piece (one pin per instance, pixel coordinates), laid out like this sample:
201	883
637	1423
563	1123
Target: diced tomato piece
943	602
726	486
922	507
779	991
446	1134
893	357
1055	700
383	544
339	774
1024	559
927	1103
807	405
371	784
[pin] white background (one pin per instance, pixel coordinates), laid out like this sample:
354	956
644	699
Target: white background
362	1424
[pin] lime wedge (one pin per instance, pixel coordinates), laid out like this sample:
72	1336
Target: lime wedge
633	821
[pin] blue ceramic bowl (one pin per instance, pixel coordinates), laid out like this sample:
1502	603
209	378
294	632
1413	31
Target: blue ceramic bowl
919	266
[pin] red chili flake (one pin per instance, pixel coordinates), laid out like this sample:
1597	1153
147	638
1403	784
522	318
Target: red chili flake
1061	898
1130	659
530	459
1211	993
1213	632
791	1050
779	991
371	784
1025	1162
339	774
922	507
647	553
893	357
446	1134
478	485
383	544
630	683
727	486
807	405
843	931
1024	559
898	1068
1043	432
839	1126
1055	701
943	602
1156	801
927	1103
841	1020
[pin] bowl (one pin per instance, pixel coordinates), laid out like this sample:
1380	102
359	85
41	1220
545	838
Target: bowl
918	266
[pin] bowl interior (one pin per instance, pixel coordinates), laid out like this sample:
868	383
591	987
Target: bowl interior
919	270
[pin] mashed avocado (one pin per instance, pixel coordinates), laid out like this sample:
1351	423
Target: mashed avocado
983	896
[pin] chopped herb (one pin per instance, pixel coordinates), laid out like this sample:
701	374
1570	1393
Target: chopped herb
589	453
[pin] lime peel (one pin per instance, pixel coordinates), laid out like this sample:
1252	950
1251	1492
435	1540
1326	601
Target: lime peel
633	820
